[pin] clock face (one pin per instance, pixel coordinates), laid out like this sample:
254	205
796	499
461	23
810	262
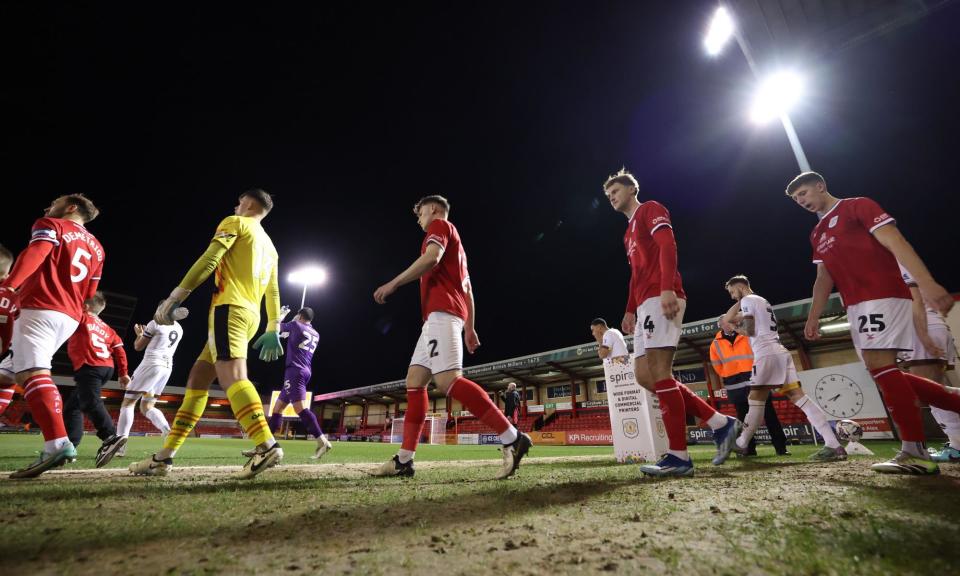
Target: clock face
839	396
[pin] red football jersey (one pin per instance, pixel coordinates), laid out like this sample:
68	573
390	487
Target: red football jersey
70	274
9	311
444	288
862	269
95	343
643	253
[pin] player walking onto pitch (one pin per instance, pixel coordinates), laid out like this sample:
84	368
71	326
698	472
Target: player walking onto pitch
302	341
934	352
244	261
9	310
856	246
94	350
655	305
773	369
158	344
447	306
52	277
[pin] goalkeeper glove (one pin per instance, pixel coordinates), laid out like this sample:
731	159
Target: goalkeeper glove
269	346
169	309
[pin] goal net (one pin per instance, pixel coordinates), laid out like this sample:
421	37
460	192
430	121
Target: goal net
434	429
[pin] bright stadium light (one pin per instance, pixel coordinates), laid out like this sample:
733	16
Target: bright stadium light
310	276
776	96
719	33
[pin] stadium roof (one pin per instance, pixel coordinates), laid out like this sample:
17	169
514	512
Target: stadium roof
784	31
582	363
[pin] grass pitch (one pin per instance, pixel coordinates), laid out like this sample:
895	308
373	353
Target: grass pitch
569	510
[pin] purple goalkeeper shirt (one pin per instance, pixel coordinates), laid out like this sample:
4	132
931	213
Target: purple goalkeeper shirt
301	344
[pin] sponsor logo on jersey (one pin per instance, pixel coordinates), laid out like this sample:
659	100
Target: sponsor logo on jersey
881	218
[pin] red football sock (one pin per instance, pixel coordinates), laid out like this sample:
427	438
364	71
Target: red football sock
695	405
674	414
479	404
933	394
6	396
901	401
46	405
413	419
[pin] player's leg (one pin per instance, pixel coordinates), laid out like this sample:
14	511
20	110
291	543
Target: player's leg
418	377
148	407
756	402
127	407
276	415
72	415
312	426
948	420
201	376
832	450
90	402
37	334
889	330
774	428
739	397
7	384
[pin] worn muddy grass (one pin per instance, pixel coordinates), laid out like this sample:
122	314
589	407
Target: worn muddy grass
574	512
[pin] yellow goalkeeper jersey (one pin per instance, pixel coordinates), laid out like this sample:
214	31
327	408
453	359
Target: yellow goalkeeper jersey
248	270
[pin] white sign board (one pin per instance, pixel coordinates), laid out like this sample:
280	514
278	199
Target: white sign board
848	391
635	419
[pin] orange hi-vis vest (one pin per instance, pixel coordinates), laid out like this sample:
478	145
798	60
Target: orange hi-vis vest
733	362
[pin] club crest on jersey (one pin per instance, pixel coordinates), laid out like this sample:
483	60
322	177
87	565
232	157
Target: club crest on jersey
833	221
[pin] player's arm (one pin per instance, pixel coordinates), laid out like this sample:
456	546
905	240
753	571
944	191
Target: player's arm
667	243
629	321
603	351
27	263
223	239
269	342
144	335
94	282
426	262
470	326
119	360
920	323
734	319
934	294
822	287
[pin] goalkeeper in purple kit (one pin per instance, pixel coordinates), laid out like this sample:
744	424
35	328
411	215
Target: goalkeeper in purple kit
302	341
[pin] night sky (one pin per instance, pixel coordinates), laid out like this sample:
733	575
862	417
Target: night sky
516	112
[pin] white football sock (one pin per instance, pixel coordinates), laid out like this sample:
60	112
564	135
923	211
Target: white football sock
125	420
157	419
717	421
509	436
405	455
818	419
950	422
751	422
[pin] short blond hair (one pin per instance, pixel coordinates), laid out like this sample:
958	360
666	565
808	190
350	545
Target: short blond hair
623	176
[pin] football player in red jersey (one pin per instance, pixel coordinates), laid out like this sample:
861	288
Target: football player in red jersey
655	305
447	307
94	350
58	270
856	247
8	314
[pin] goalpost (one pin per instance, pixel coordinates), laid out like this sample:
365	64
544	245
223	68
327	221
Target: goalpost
434	428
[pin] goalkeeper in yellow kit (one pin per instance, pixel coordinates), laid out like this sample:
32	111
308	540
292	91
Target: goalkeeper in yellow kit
244	262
